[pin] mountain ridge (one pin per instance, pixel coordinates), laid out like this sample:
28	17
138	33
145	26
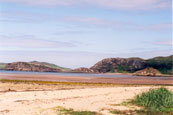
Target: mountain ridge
107	65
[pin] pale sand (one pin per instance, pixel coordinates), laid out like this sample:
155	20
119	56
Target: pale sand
99	99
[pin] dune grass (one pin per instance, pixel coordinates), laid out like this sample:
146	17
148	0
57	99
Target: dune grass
155	100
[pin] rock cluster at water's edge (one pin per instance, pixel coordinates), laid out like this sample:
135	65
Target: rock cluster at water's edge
147	72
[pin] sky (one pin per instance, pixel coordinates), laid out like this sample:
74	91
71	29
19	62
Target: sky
79	33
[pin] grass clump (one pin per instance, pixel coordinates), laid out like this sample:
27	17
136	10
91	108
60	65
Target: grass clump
158	100
63	111
116	112
154	102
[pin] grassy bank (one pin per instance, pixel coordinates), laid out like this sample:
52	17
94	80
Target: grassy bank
154	102
160	100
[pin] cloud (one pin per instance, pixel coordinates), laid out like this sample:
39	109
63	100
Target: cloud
80	21
108	4
156	27
167	42
97	22
132	4
120	25
150	53
23	17
28	41
72	32
88	20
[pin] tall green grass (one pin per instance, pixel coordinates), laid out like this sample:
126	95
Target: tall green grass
156	100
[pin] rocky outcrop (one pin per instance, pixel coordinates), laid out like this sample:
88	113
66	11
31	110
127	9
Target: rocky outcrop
83	70
50	65
24	66
147	72
119	64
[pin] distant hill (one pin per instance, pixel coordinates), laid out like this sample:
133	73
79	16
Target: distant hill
82	70
108	65
50	65
119	65
123	65
163	64
32	66
2	65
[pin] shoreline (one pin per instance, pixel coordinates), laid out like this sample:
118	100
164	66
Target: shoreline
133	80
161	75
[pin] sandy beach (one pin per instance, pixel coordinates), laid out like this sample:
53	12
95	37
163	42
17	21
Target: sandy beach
36	99
97	94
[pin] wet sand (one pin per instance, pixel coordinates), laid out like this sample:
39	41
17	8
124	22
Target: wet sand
114	80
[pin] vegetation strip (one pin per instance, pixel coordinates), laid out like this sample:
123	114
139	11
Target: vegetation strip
63	111
155	100
58	83
76	83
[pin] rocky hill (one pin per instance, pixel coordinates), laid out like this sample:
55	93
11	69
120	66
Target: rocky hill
147	72
83	70
119	65
163	64
50	65
25	66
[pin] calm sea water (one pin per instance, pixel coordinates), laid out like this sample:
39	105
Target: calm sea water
63	74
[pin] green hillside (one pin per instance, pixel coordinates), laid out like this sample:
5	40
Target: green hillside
163	64
2	65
